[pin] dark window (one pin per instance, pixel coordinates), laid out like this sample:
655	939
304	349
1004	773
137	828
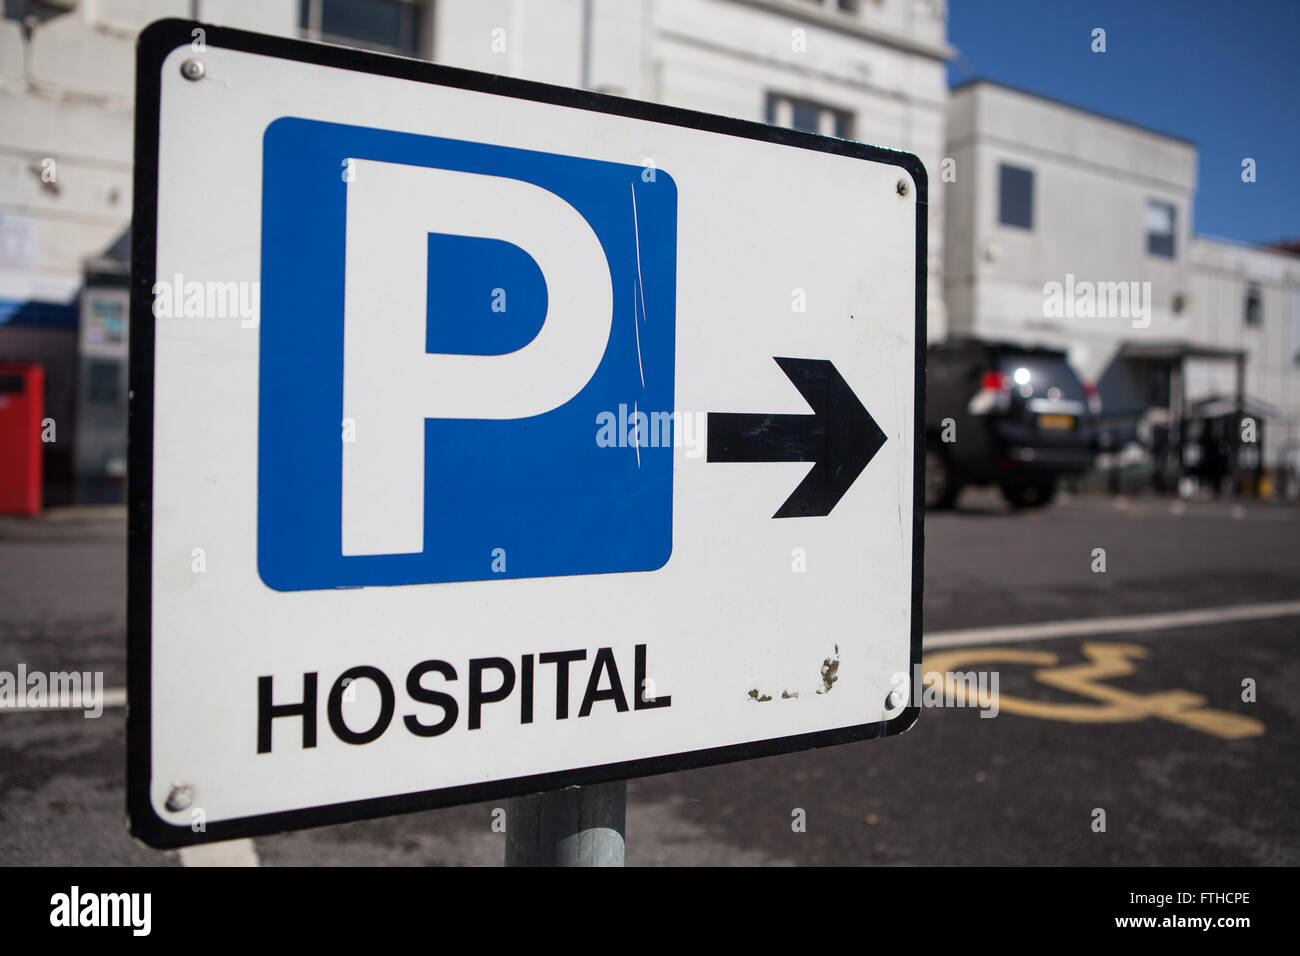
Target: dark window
808	116
392	25
1254	306
1161	218
1015	196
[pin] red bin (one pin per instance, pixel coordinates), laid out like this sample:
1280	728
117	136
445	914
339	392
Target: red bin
22	407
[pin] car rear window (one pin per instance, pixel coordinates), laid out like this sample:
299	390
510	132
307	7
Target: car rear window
1041	373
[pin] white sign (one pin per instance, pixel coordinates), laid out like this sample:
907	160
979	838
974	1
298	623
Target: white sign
490	437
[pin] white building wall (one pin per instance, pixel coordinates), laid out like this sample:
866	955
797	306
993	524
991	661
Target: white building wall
962	205
67	94
884	64
1093	177
1222	271
66	104
65	150
539	41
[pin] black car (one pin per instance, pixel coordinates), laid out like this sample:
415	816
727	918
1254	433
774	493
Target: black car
1005	414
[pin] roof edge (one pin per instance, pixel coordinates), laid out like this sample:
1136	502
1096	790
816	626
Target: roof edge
997	84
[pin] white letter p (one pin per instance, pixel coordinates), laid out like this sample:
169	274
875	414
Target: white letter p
391	384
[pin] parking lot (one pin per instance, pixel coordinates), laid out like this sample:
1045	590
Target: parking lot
1119	691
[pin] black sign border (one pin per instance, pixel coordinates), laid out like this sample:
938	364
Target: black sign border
155	43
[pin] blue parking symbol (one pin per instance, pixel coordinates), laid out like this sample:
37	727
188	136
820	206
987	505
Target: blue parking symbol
557	493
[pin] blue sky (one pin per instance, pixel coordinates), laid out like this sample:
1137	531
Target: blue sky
1224	74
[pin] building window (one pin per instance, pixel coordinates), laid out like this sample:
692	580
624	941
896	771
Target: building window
1254	314
848	6
808	116
1015	196
391	26
1160	229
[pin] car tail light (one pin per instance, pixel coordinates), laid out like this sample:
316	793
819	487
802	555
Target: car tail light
994	393
1094	399
995	382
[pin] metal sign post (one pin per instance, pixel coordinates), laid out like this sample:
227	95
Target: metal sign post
576	826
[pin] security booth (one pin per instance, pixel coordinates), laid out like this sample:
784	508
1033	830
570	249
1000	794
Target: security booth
100	441
22	408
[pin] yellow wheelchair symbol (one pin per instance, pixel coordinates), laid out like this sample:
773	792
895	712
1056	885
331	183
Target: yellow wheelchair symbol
1106	661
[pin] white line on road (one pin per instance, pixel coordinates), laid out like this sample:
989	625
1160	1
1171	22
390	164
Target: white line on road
226	853
1109	625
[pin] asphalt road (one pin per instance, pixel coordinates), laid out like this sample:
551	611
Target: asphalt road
1087	720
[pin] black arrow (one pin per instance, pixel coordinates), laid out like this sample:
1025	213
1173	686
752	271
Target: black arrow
840	436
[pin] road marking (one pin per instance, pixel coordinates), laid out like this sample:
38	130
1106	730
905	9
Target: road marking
1110	704
965	637
1158	509
226	853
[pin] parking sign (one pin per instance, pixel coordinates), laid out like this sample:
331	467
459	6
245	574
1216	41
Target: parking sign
463	295
489	437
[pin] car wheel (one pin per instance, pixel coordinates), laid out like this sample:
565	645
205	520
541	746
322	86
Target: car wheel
941	487
1029	494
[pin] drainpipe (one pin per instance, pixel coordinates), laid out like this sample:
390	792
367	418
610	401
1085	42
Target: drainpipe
586	43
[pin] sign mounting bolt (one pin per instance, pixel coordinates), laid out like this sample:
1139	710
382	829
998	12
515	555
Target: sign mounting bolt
193	69
902	186
180	798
